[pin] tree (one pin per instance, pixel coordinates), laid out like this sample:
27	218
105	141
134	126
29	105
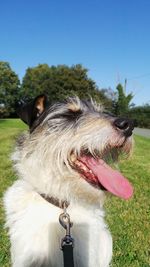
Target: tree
141	114
9	89
111	97
122	103
59	82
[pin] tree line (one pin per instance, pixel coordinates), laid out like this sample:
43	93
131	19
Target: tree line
59	82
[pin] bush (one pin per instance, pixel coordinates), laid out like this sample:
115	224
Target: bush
142	115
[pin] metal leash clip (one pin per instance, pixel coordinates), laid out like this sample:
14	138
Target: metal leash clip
64	220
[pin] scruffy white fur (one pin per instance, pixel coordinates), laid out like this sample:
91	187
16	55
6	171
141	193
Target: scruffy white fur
36	233
42	162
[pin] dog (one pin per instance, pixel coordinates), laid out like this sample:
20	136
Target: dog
64	158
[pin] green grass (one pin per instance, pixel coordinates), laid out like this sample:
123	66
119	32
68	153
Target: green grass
9	129
128	220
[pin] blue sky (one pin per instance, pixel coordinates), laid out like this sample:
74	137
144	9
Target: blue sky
110	37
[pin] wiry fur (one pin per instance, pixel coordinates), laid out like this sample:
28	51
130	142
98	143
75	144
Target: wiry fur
43	163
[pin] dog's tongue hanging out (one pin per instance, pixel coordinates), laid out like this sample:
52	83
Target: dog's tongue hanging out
111	179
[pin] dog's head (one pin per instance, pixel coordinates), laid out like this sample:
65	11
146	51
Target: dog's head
69	147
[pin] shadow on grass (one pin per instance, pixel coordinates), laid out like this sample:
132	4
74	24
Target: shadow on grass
3	120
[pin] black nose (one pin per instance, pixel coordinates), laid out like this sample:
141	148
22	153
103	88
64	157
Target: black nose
126	126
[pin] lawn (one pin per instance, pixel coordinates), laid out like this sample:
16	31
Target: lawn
128	220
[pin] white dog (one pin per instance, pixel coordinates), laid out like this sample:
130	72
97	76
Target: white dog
63	158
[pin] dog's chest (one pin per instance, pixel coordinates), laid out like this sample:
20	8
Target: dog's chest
92	240
36	232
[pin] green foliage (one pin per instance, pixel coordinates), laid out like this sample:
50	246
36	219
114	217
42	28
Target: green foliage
142	115
121	106
112	98
59	82
9	89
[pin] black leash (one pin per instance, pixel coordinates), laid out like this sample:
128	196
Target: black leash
67	242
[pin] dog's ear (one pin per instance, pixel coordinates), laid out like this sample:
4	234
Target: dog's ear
31	111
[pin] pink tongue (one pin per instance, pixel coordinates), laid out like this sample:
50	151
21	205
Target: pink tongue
112	180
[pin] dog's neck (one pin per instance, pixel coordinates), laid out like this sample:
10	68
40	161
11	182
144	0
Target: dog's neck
55	201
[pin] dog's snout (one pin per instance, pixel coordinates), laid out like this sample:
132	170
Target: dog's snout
126	126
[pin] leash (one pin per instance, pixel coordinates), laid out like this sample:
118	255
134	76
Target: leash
67	242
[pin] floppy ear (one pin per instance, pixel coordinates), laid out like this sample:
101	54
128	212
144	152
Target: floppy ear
31	111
